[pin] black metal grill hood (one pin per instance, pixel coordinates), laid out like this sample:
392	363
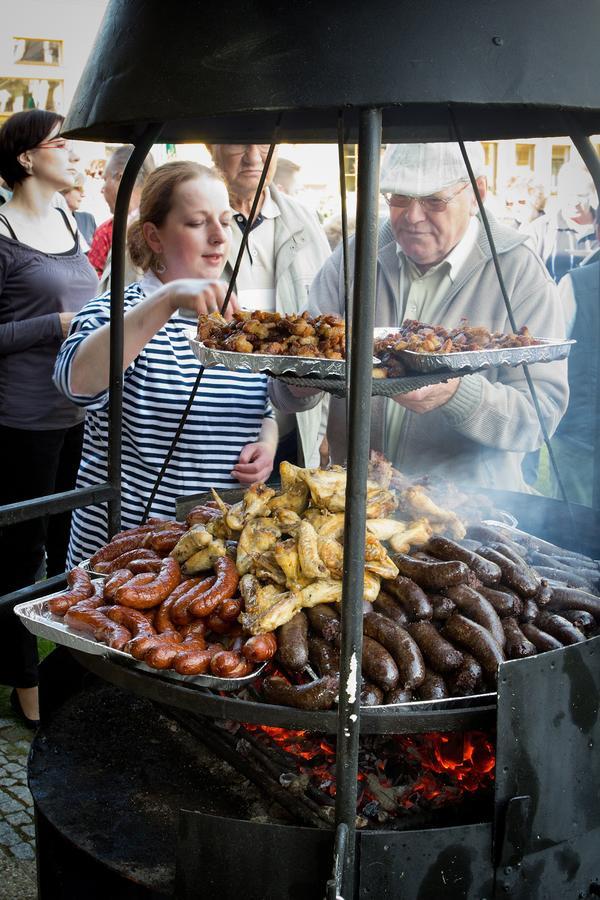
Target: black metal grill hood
223	72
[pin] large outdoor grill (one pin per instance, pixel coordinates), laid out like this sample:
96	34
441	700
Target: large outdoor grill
142	795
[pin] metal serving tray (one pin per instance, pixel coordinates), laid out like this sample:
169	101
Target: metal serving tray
263	362
475	360
36	618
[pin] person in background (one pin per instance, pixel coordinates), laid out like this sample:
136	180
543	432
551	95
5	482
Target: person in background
100	251
45	279
74	197
180	241
284	178
434	264
524	201
564	238
333	229
286	248
574	443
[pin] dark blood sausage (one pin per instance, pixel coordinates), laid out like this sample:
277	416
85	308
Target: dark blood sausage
412	599
520	578
544	595
387	606
440	654
478	641
443	607
81	589
568	578
377	664
403	648
587	566
504	602
517	645
515	555
487	572
433	687
398	695
541	640
324	657
433	576
370	694
529	611
292	643
560	628
324	620
579	617
319	694
478	608
485	534
571	598
141	594
466	680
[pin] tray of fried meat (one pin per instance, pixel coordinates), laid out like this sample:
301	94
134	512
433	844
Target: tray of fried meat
37	618
431	348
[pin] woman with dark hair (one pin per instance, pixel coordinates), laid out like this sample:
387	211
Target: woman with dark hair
180	242
45	279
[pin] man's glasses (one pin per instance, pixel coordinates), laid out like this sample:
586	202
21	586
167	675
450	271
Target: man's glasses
430	204
57	143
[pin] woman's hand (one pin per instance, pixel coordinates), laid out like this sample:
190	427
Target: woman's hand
255	462
201	295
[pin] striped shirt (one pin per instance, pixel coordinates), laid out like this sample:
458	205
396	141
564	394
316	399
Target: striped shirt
227	414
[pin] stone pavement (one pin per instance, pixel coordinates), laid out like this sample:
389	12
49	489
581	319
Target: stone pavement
17	839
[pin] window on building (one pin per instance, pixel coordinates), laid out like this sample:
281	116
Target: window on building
561	153
490	152
350	158
525	155
37	51
17	94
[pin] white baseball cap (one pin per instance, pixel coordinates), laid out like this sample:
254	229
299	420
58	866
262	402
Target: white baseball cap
419	170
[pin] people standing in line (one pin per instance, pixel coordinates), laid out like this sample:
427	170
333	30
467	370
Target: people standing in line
74	197
45	278
574	443
564	238
434	264
180	241
100	251
524	201
284	178
286	248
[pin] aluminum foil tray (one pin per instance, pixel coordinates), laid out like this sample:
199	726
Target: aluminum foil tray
380	387
36	618
475	360
263	362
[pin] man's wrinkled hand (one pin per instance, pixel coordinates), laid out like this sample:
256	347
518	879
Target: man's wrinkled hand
428	398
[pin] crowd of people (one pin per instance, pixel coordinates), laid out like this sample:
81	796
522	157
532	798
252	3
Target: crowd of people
186	224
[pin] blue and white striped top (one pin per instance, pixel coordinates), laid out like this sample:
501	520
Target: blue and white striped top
227	414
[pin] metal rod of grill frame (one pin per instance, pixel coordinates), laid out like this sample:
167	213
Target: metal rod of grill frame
361	365
117	289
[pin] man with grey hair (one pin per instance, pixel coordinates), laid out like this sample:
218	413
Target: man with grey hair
434	264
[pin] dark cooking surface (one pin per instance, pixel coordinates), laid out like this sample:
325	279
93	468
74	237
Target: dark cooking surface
110	772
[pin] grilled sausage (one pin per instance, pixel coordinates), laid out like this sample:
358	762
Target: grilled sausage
139	646
478	641
81	589
541	640
97	623
517	645
571	598
504	602
466	680
520	578
195	662
324	657
412	599
432	688
139	593
292	643
487	572
439	654
230	664
123	561
324	620
135	622
443	607
560	628
387	606
184	594
224	587
260	648
478	608
230	609
403	648
433	576
317	695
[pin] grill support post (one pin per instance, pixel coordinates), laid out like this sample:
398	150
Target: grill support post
359	419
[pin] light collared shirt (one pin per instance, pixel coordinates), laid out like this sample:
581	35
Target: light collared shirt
256	277
419	291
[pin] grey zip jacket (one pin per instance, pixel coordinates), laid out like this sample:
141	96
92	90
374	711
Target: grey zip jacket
481	435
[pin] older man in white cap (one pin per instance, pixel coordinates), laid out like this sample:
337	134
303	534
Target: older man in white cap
435	264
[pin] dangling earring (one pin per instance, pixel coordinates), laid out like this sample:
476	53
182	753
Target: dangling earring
160	268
